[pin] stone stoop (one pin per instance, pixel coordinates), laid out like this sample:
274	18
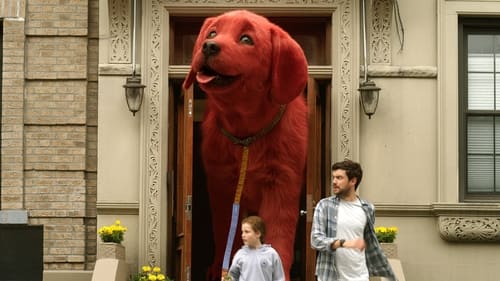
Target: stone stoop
396	267
67	275
110	270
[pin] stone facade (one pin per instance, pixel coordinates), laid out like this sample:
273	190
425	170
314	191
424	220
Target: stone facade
56	51
49	124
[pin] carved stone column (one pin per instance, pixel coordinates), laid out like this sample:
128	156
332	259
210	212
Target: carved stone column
380	32
120	28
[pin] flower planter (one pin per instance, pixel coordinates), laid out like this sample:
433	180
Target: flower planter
110	250
390	250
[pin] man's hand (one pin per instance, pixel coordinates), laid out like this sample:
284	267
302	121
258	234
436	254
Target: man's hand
355	244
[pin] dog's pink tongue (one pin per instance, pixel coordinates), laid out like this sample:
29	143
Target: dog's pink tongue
203	78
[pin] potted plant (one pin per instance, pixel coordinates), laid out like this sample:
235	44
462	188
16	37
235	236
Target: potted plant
150	273
112	233
386	237
111	239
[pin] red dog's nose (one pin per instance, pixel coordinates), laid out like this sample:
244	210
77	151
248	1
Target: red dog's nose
210	48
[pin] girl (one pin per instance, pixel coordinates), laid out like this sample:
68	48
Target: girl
255	261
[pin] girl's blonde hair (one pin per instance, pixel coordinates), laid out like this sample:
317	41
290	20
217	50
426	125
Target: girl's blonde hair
257	225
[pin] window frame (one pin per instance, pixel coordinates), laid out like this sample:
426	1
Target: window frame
471	25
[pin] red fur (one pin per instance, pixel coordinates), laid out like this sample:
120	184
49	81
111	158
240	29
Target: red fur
270	72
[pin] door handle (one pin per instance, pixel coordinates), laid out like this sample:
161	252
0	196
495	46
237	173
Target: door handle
303	212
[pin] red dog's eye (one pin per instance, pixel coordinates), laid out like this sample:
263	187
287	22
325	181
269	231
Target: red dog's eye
211	34
245	39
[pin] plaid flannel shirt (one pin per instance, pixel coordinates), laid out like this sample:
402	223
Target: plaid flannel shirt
323	234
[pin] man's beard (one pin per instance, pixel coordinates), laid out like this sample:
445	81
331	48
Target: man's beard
342	192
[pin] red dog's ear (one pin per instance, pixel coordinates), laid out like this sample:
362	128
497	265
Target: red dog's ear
189	80
289	70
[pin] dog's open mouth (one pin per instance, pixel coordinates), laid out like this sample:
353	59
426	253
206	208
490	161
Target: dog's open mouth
207	75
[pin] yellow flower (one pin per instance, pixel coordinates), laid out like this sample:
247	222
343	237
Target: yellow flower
150	273
146	268
112	233
386	234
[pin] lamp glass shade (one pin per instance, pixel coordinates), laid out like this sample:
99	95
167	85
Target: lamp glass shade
369	94
134	92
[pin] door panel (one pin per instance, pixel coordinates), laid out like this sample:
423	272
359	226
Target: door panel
317	175
183	187
313	178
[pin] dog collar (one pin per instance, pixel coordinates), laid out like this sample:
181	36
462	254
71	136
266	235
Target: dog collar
249	140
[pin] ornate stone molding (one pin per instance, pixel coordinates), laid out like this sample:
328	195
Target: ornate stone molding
380	50
150	199
346	78
471	229
155	66
120	30
253	4
180	71
458	222
118	69
437	210
416	71
120	208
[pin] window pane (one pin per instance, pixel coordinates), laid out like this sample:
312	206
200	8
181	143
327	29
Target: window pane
480	173
480	43
481	62
480	135
497	90
497	174
481	92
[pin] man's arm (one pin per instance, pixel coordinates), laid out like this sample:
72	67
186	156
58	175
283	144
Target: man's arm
319	240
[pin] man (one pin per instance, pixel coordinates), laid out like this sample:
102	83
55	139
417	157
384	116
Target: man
343	231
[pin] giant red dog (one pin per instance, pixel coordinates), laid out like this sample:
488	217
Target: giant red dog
254	75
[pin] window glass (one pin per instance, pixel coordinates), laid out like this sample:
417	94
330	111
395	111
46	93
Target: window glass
480	135
481	91
480	173
481	111
480	147
481	62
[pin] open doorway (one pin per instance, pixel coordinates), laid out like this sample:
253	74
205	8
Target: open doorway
190	226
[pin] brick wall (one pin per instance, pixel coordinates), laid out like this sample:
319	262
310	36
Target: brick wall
12	115
49	125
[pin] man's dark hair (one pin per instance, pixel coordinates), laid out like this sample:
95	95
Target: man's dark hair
352	170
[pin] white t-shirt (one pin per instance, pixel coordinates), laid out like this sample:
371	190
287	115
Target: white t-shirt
351	263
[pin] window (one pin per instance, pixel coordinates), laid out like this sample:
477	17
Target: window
479	84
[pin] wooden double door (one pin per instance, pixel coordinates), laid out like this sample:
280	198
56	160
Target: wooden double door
190	237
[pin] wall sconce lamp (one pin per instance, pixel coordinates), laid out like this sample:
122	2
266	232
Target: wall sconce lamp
134	90
368	91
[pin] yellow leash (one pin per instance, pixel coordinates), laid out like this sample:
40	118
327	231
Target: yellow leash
243	173
245	143
236	211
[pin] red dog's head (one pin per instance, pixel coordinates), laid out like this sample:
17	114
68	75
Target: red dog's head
239	54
